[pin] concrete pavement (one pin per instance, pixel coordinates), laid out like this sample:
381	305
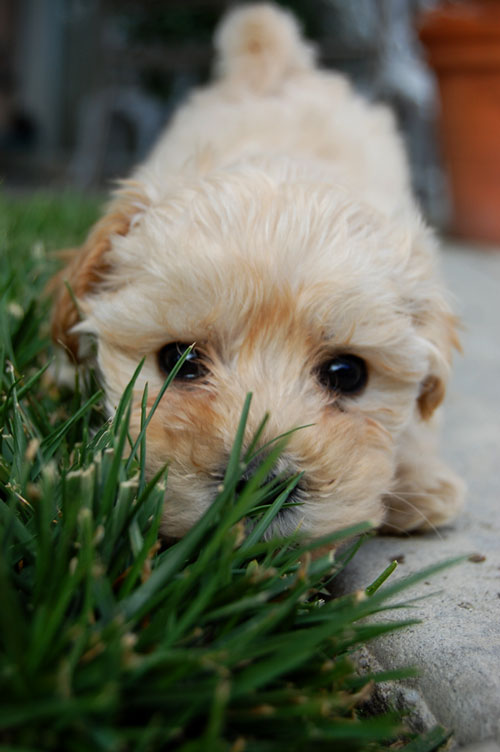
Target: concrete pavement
457	647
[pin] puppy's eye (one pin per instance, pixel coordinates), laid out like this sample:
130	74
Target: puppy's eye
346	374
169	356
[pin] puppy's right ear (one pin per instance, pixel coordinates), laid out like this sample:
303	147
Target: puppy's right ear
88	266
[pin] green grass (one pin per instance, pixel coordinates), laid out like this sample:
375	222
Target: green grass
110	641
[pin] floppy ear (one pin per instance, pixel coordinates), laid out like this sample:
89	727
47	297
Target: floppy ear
88	266
440	329
432	316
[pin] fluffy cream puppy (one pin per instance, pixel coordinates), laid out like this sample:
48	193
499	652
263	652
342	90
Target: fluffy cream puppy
274	226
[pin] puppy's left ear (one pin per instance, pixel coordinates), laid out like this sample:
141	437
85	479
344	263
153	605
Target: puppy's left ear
433	318
88	266
440	329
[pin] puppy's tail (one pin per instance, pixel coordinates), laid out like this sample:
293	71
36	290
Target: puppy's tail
258	46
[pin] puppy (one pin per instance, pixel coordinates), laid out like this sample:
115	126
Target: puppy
274	226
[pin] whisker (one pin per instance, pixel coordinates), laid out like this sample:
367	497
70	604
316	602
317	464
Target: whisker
416	509
397	528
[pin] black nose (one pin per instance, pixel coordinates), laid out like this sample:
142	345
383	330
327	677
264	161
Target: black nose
278	483
246	477
250	470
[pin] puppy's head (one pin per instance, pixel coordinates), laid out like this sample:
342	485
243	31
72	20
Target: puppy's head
289	290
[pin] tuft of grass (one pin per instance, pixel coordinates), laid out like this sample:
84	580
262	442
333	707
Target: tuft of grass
112	641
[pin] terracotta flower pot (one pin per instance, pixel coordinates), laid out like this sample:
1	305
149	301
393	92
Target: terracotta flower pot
462	40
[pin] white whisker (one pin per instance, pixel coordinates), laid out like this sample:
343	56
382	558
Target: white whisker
416	509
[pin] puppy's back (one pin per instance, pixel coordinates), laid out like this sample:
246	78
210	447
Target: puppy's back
269	99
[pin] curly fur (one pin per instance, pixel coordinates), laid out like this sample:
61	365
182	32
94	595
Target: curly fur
274	225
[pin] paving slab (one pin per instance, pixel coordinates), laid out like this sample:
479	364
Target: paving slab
488	746
457	645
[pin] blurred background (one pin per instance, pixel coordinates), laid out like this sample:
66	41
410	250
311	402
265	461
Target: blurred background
86	85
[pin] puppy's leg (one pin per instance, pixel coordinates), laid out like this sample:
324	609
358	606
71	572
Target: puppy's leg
426	492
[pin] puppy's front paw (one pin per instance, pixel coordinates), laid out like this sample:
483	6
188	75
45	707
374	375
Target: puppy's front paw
423	503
